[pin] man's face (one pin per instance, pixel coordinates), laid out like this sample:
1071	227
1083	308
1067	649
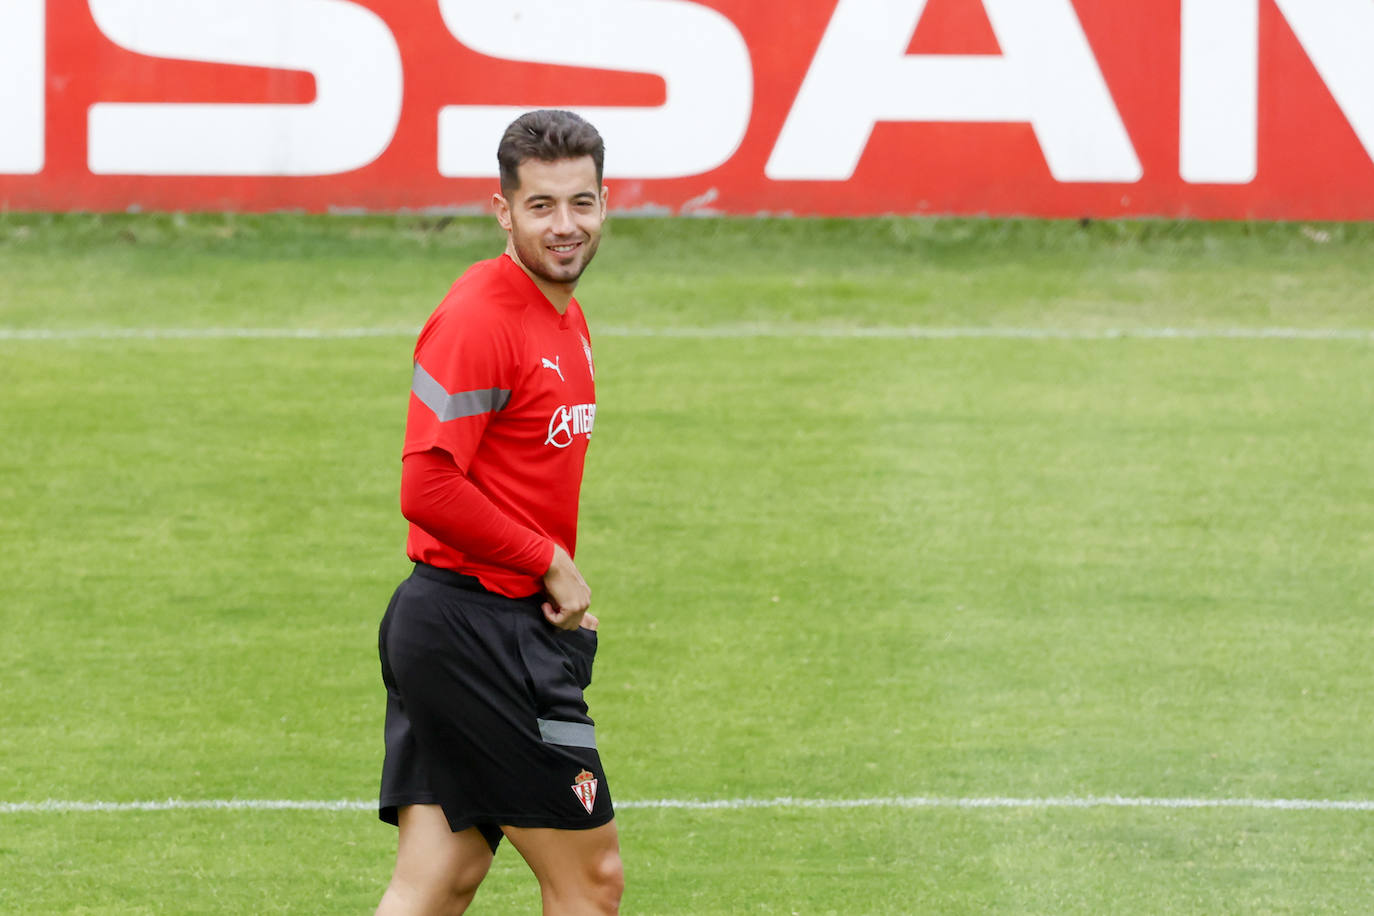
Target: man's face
554	218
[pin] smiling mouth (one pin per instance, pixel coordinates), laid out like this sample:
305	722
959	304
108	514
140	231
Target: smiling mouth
565	249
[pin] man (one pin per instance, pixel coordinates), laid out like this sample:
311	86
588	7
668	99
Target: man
487	647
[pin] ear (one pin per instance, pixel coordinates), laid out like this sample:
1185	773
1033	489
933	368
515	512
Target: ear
605	195
502	209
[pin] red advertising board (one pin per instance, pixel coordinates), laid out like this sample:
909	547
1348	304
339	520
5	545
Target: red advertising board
1182	108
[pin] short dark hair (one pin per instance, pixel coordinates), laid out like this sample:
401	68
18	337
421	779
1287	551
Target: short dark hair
547	135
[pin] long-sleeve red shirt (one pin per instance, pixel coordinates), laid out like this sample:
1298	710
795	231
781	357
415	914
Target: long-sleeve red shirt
501	410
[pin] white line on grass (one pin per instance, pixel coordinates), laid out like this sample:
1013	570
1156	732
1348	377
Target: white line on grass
201	333
996	333
725	804
915	332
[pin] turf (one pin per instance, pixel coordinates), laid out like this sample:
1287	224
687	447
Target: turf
829	567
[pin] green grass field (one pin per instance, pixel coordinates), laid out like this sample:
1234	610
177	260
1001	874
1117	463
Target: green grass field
840	552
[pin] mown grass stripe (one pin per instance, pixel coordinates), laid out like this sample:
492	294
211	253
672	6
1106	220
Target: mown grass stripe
896	332
724	804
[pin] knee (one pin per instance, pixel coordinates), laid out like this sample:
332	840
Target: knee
461	882
429	893
442	886
606	877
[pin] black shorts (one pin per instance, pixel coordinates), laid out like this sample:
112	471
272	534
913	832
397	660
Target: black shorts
484	710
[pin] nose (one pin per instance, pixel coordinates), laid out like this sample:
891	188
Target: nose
563	220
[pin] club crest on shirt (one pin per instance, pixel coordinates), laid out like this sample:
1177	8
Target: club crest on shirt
584	787
587	349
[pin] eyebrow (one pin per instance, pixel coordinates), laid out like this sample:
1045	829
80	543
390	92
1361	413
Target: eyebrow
580	195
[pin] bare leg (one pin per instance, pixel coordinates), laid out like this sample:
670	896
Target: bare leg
437	870
579	871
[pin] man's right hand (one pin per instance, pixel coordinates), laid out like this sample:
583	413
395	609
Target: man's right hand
569	594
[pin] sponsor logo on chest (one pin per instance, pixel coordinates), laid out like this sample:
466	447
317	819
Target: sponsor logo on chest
567	423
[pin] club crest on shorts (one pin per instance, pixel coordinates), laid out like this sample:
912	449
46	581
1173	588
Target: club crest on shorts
584	787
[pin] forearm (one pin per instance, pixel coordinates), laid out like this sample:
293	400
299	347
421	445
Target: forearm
438	497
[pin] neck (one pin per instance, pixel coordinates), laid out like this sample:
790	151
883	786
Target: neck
558	294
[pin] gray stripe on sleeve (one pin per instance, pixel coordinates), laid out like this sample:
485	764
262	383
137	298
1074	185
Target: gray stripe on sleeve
568	734
458	404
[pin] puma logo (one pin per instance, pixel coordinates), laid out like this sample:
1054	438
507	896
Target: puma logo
553	364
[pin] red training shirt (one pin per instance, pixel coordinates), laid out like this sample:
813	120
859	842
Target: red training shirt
503	385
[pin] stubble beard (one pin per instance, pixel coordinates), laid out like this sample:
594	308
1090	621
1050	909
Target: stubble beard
536	260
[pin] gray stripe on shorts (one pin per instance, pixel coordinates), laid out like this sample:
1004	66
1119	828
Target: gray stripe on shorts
568	734
452	406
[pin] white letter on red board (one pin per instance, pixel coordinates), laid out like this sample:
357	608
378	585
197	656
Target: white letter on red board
21	86
348	48
700	55
1046	75
1218	117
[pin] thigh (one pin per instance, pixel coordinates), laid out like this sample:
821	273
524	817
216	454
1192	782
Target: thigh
572	865
437	870
426	845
